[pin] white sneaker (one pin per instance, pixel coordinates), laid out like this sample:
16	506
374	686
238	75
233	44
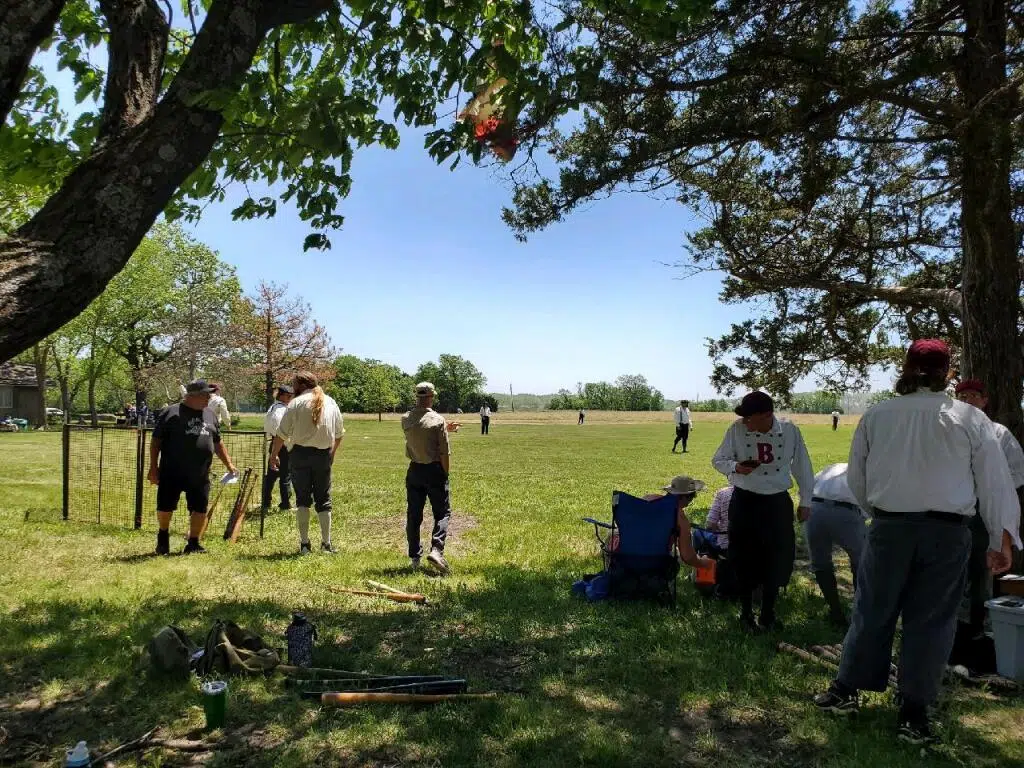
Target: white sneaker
437	560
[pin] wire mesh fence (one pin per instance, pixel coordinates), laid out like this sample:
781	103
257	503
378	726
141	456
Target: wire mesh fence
105	476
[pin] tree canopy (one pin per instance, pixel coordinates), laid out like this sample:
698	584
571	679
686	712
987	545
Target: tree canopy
859	167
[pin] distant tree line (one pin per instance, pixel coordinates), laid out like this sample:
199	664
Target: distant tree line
628	393
371	386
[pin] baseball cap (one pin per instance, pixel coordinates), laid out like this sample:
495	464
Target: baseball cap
683	485
755	402
970	385
929	353
285	389
198	387
425	388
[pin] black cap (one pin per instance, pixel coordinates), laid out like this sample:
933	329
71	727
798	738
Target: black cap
198	387
755	402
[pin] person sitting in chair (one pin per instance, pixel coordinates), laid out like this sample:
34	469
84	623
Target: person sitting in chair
713	538
685	489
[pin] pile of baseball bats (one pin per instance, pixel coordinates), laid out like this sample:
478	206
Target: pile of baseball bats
343	688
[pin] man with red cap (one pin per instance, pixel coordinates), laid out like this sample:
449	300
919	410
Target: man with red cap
979	581
923	465
761	456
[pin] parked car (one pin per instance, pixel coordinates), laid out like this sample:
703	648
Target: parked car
54	414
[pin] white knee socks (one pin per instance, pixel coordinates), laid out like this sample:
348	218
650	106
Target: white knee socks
302	517
325	525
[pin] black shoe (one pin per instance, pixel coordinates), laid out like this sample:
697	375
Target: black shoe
749	624
304	548
915	730
284	507
838	701
193	548
163	542
327	549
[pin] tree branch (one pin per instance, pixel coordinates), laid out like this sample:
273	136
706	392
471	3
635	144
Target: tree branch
24	24
138	42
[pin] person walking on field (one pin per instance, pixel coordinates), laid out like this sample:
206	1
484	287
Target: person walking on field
219	406
583	415
682	419
313	426
180	454
761	455
429	452
836	520
924	465
835	420
271	425
485	419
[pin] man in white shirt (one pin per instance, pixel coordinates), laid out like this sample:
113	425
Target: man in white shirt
836	520
313	426
761	456
681	415
219	406
922	463
485	419
979	580
271	425
835	420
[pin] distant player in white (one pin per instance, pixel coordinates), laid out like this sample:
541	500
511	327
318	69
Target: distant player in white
681	415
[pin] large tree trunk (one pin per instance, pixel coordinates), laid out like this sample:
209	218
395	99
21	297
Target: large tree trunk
991	271
63	257
24	24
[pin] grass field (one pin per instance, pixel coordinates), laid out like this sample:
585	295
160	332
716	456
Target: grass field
612	684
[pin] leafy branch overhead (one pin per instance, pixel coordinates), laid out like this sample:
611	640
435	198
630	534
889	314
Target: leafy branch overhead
858	166
176	107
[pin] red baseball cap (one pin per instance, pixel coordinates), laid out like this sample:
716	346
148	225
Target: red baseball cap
929	353
970	385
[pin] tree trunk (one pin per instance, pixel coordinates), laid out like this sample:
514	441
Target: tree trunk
92	403
991	272
65	255
24	24
39	355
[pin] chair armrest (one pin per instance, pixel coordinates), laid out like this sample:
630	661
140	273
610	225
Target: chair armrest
592	521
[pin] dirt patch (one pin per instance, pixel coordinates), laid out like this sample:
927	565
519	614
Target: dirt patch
383	532
723	735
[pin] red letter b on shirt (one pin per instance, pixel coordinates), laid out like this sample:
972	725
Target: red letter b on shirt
764	453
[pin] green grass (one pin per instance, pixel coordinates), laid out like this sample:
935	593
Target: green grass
611	684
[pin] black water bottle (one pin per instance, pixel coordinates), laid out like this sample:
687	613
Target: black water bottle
300	635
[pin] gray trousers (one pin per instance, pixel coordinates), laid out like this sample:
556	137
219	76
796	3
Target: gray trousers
831	525
422	482
915	567
311	477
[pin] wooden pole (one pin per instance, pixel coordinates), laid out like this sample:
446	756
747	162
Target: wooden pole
369	697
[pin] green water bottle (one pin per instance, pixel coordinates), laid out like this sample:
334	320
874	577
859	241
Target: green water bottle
215	703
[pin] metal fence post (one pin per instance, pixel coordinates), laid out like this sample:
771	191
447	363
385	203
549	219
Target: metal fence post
263	475
99	494
65	468
140	474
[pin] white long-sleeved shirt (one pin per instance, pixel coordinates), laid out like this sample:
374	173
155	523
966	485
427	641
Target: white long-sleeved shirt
831	484
297	426
682	415
925	451
272	419
1013	453
781	451
485	412
219	406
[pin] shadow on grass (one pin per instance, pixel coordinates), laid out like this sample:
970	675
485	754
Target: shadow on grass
605	684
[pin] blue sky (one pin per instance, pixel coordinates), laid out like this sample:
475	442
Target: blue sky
424	265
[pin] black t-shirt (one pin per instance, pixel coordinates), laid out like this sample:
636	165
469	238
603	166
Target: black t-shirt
187	440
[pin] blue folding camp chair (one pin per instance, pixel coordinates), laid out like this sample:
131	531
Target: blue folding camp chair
639	550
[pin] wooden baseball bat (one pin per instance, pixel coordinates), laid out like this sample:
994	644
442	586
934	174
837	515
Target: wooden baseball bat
370	697
398	598
386	588
212	509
